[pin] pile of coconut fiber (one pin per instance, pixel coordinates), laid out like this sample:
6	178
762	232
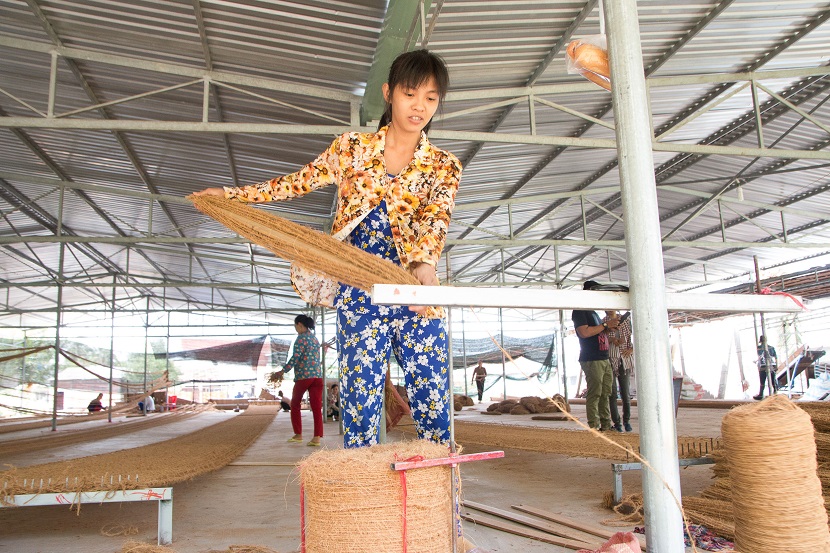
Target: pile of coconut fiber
460	400
530	405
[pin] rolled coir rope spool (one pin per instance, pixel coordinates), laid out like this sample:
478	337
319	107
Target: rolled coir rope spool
356	503
776	493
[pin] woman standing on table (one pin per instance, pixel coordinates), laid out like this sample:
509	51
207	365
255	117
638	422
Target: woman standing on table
308	376
396	192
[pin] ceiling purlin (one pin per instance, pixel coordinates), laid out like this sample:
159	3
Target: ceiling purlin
772	169
595	214
540	69
95	289
758	212
23	137
810	284
740	180
576	261
802	228
122	142
19	200
200	23
26	289
35	259
726	135
784	234
546	160
602	111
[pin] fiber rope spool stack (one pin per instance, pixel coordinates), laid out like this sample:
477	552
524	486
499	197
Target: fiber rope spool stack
355	502
299	244
776	493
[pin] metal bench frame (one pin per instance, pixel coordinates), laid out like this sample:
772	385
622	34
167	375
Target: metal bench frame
164	496
618	469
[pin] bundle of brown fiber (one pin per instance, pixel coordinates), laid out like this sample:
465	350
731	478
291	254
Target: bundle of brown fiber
355	502
776	493
714	514
307	247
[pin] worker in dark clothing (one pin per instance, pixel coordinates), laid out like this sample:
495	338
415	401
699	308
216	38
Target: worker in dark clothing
767	366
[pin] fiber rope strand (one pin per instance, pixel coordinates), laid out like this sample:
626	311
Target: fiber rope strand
302	245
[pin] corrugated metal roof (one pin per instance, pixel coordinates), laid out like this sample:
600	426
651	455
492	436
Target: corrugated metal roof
307	63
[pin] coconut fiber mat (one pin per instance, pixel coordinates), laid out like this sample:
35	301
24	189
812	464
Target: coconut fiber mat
71	437
573	443
160	464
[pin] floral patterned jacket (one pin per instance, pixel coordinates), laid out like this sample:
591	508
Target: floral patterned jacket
306	358
419	200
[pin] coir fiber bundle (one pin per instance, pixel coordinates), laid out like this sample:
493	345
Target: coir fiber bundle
714	514
307	247
776	493
354	501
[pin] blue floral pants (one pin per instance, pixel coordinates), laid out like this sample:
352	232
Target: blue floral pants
368	333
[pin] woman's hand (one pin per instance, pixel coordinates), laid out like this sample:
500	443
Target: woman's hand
211	192
425	273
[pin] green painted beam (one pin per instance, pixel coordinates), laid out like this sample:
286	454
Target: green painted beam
400	16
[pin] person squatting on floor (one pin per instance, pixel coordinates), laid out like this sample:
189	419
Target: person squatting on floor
396	192
308	376
621	356
96	405
593	359
148	404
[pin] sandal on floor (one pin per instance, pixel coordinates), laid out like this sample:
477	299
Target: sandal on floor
314	444
295	440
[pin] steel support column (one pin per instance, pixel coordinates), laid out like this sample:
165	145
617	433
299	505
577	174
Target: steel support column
112	350
58	313
658	436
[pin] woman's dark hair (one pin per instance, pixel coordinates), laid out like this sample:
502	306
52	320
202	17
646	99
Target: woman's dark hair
411	70
305	320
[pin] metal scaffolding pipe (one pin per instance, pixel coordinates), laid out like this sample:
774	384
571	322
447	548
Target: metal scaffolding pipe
658	436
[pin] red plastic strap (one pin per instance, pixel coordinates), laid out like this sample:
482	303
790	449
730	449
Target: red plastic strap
770	292
403	494
302	518
403	506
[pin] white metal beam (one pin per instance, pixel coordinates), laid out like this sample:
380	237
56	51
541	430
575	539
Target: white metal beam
503	138
532	298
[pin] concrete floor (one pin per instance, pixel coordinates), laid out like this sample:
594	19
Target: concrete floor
258	504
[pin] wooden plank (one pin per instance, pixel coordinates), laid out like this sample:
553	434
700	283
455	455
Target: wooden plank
527	533
571	523
527	521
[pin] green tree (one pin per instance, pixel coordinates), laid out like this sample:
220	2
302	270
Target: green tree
155	366
40	367
36	367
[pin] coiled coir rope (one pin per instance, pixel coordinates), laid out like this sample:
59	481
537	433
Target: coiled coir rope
776	493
